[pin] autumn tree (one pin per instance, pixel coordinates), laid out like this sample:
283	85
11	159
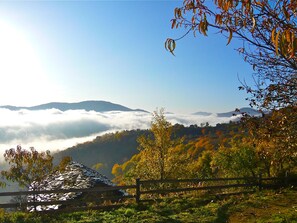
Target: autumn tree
275	139
27	166
267	30
158	156
156	146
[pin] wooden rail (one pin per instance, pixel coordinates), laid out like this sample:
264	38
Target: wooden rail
142	187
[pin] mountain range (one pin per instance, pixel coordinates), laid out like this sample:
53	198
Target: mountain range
98	106
246	110
105	106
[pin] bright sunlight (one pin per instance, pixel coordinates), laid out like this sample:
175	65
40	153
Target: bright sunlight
20	67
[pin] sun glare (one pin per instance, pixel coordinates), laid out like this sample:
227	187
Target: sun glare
21	71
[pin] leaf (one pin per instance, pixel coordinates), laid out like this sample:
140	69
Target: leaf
170	45
230	35
277	41
254	24
273	35
218	19
173	23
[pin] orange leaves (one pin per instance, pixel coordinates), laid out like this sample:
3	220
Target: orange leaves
178	13
219	19
173	23
250	20
275	40
202	27
285	42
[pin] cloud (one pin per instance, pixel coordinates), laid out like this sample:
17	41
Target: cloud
53	129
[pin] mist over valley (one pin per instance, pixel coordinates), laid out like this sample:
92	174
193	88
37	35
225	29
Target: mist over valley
57	126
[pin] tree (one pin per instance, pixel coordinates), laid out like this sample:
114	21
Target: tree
268	30
63	163
158	156
274	136
201	168
240	159
27	166
155	147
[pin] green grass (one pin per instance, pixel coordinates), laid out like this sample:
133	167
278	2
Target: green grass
260	207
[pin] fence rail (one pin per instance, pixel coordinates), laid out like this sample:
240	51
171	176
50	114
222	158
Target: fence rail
144	187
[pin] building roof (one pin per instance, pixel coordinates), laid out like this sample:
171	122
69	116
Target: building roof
75	176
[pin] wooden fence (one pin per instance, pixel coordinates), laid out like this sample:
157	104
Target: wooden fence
143	189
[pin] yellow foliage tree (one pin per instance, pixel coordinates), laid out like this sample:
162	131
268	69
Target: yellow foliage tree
158	156
155	148
27	166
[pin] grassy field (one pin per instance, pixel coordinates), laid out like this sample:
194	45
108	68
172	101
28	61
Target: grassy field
265	206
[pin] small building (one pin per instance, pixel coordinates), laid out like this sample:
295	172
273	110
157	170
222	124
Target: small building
75	176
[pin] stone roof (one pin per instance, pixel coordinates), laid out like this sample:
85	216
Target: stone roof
75	176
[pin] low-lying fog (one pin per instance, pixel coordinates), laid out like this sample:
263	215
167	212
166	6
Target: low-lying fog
56	130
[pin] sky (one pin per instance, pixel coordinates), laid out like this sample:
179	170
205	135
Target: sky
70	51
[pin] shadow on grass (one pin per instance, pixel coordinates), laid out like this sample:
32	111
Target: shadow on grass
222	216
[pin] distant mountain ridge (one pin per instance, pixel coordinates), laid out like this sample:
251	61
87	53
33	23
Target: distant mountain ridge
105	106
246	110
202	113
229	114
98	106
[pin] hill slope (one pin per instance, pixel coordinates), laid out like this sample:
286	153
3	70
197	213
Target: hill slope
121	146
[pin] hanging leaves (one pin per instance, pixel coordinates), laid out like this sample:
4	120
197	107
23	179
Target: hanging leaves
170	45
230	35
268	32
235	15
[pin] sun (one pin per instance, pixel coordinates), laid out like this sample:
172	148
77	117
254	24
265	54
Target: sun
21	71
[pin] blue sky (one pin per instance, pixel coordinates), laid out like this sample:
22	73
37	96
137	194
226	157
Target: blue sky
114	51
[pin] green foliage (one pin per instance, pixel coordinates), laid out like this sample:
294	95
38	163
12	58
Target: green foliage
202	168
27	166
240	160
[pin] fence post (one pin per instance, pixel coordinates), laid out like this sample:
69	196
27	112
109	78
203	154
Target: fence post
260	182
137	191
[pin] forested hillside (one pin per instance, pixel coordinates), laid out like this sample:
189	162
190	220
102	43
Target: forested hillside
119	147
